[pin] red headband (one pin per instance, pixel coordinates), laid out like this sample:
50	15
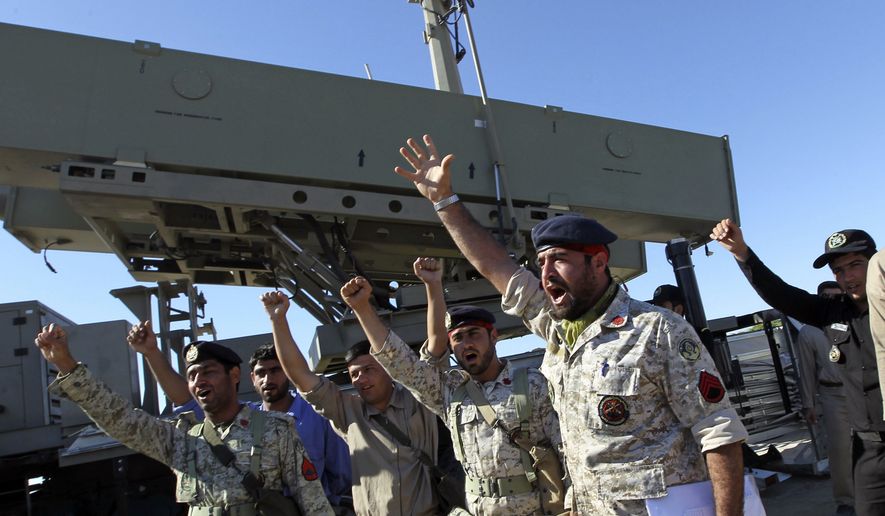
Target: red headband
587	248
482	324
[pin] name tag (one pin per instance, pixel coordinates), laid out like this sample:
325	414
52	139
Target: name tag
839	327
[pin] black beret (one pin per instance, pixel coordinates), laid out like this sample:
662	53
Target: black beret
200	351
669	293
467	315
570	230
846	241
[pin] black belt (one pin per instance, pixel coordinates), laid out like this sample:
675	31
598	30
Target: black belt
830	384
871	436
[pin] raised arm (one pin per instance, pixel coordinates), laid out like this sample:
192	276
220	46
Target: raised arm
429	270
433	180
357	293
135	429
276	304
142	340
422	379
792	301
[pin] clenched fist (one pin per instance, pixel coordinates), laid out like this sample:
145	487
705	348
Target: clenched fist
276	304
357	293
53	344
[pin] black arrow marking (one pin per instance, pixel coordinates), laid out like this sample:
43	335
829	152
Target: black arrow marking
362	156
471	168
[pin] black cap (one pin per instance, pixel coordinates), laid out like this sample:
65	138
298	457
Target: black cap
467	315
570	230
200	350
846	241
827	285
670	293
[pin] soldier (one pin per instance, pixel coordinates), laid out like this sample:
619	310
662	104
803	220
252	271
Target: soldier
818	375
500	473
639	399
669	297
389	477
327	451
846	321
876	299
264	460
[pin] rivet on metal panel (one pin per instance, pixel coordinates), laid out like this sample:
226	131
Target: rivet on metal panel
147	47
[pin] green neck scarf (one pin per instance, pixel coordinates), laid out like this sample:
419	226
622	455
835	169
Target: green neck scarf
571	330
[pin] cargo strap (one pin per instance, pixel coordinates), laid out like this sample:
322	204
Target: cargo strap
523	413
498	487
400	437
251	479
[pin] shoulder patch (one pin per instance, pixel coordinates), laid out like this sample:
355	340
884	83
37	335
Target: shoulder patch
689	350
710	387
308	470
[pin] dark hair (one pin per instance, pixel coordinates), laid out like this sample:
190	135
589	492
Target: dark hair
827	285
588	258
264	352
357	350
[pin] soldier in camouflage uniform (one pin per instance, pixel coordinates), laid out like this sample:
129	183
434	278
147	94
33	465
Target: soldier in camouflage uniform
207	486
640	403
491	461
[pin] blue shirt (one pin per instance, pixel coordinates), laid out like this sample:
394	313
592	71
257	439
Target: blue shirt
328	452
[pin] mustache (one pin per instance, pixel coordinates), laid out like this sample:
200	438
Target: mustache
556	282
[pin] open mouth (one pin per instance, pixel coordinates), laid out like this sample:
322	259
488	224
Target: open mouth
470	356
557	294
202	394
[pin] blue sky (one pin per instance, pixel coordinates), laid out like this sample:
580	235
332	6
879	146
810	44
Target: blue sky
797	86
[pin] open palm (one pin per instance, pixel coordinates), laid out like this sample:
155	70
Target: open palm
431	175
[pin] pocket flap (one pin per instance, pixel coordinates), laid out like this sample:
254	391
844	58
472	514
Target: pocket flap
618	381
630	481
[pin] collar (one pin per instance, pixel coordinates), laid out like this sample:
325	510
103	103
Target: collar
241	420
618	313
615	316
571	330
505	377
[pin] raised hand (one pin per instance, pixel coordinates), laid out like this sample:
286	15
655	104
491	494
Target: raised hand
142	339
53	344
431	175
429	270
357	293
730	236
276	304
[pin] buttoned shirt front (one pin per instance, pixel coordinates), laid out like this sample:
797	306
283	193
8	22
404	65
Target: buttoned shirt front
327	451
487	451
815	367
208	483
388	477
638	397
